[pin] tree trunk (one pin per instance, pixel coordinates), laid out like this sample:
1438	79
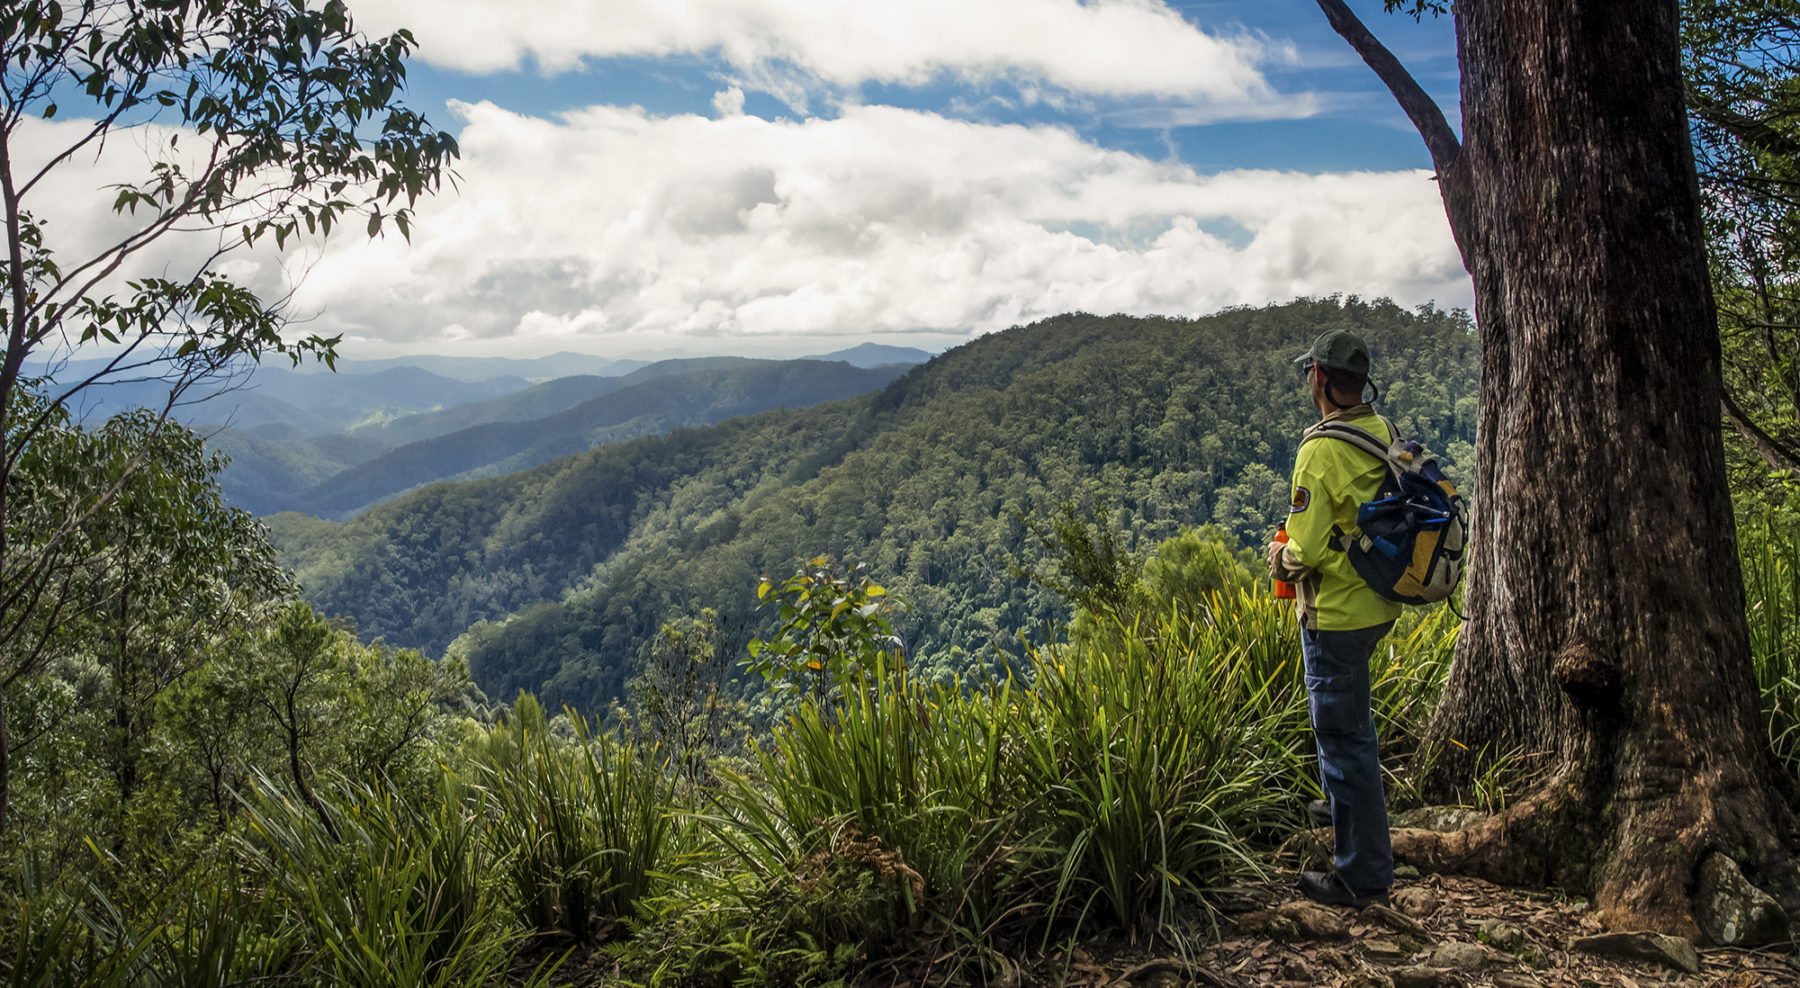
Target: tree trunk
298	770
1605	621
5	765
1605	638
124	695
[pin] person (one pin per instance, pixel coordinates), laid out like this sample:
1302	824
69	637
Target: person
1341	620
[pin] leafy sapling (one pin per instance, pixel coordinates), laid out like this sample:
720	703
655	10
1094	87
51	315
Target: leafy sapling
831	630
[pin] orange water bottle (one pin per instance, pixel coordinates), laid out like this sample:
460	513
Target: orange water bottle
1283	589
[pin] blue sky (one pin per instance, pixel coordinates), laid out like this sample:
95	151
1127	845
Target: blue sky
792	176
1357	125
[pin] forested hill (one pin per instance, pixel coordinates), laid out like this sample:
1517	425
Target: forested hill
560	575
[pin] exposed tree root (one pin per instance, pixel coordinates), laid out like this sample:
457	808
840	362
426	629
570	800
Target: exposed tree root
1642	873
1507	848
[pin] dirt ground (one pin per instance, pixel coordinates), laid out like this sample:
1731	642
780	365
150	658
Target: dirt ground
1438	932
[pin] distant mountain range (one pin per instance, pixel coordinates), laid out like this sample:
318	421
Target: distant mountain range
278	403
556	579
567	364
562	364
504	435
876	355
331	444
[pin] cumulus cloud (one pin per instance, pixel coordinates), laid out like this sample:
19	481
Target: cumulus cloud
728	102
787	47
617	224
73	199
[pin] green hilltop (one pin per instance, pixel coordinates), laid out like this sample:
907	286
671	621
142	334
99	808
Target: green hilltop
553	579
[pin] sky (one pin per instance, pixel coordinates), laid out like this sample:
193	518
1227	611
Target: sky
779	177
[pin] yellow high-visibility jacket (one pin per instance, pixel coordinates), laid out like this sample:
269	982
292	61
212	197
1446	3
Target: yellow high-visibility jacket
1331	479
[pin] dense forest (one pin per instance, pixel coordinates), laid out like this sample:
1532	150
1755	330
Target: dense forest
556	579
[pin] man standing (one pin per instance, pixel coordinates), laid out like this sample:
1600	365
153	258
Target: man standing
1341	620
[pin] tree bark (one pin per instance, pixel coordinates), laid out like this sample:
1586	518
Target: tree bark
1605	637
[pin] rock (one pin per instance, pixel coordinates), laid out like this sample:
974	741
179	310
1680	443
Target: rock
1439	818
1509	980
1295	921
1406	872
1734	913
1415	976
1384	951
1416	902
1503	935
1398	922
1295	969
1676	952
1459	955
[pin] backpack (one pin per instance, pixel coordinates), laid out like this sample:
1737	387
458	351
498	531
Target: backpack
1410	539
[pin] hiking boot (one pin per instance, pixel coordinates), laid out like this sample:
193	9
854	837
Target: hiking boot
1327	889
1319	812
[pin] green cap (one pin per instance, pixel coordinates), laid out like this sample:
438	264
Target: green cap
1338	349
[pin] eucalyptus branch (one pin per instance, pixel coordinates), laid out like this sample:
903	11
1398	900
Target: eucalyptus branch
15	330
1779	456
35	83
110	259
1424	113
35	656
1426	117
97	132
1755	133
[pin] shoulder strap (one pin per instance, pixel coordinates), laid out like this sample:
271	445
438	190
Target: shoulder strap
1360	438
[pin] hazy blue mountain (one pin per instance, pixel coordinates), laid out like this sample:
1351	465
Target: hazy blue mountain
535	402
876	355
279	403
562	364
656	399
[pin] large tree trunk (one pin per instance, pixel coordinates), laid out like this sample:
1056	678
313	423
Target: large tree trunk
1605	635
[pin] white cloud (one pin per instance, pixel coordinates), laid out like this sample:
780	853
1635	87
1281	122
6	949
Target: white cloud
733	232
74	198
728	102
1111	47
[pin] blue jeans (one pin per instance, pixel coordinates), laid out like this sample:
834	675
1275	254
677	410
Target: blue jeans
1337	685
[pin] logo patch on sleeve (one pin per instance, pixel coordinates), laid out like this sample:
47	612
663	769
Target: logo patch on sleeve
1302	498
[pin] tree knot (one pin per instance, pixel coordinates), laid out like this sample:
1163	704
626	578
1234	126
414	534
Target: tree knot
1590	680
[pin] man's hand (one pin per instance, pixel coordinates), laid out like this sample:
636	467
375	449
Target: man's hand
1273	554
